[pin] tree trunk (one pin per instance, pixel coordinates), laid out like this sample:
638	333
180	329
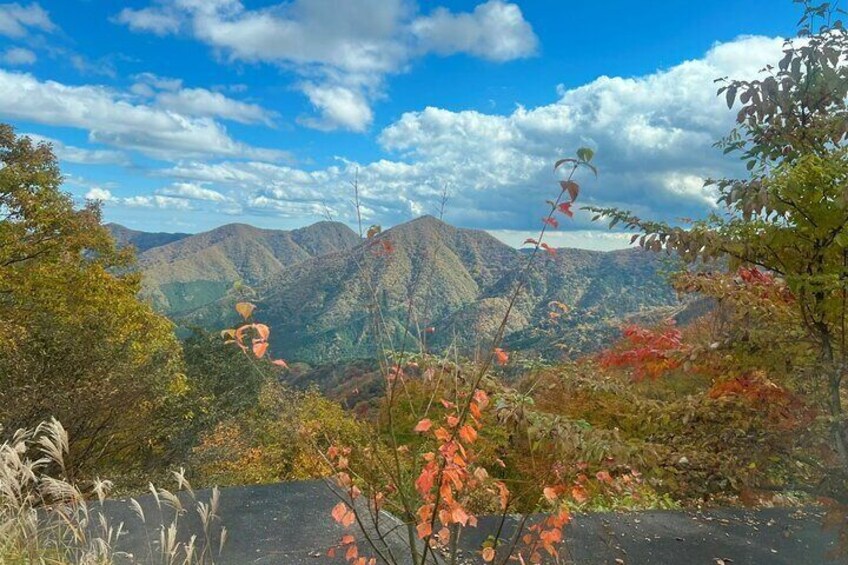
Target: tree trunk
836	414
834	382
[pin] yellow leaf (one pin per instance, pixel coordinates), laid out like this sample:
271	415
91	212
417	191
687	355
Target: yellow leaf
245	309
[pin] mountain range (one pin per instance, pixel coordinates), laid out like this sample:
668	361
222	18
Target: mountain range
427	283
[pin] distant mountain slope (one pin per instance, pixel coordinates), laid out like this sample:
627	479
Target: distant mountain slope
459	282
198	270
142	241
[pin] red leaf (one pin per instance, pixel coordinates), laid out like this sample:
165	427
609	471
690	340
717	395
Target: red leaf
571	187
551	221
280	363
565	208
531	241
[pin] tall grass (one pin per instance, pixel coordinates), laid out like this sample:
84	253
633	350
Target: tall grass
46	519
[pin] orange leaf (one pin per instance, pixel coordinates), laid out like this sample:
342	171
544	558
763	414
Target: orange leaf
280	363
348	519
488	554
352	552
424	530
468	434
263	330
550	494
423	426
245	309
259	348
339	511
604	477
424	483
501	356
347	539
578	493
458	515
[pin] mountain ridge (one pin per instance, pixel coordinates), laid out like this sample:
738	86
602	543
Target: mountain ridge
458	280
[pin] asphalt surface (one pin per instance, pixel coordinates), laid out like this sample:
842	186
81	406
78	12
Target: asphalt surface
290	524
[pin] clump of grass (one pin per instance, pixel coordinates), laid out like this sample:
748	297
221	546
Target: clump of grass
45	518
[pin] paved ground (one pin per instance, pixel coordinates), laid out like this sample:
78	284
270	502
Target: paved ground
290	524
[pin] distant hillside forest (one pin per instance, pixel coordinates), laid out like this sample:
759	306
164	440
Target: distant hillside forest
311	284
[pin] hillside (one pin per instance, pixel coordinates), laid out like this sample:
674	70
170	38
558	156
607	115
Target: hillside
458	281
198	270
142	241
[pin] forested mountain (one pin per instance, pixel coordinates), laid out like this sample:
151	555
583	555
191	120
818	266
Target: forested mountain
142	241
313	286
193	271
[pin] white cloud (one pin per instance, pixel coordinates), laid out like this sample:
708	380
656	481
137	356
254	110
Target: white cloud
202	102
150	20
343	49
153	201
192	191
16	56
653	137
17	20
73	154
157	82
169	93
101	194
495	30
112	118
339	107
581	239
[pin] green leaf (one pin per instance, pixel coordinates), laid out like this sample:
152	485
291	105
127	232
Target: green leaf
585	154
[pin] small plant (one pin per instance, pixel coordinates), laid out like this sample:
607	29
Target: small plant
434	475
46	519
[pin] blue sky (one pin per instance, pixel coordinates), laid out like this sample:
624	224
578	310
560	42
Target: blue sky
182	115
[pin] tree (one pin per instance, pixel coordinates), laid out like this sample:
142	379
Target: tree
790	215
75	343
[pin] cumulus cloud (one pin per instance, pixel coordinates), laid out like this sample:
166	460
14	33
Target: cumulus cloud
202	102
191	191
340	49
112	118
338	107
158	22
80	155
652	134
18	20
495	30
169	94
102	194
18	56
153	201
